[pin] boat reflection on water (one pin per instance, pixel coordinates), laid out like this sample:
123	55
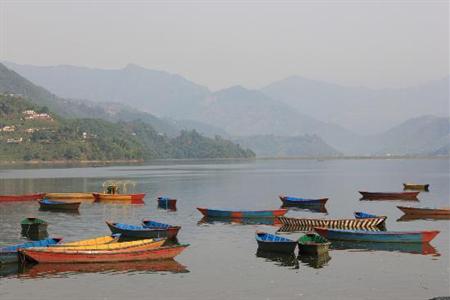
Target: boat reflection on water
122	202
309	208
48	270
406	218
315	261
7	270
413	248
242	221
280	259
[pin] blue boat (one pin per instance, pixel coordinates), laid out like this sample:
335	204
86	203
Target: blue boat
216	213
172	231
135	231
363	215
274	243
167	203
8	254
377	236
294	201
46	204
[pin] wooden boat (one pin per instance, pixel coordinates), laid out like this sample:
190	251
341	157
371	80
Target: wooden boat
167	203
312	244
274	243
8	254
33	227
47	270
15	198
241	221
46	204
363	215
330	223
118	197
216	213
133	231
69	196
172	231
294	201
131	246
94	241
423	211
377	236
416	187
99	256
389	196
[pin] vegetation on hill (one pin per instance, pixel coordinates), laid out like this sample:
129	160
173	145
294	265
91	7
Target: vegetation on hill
31	132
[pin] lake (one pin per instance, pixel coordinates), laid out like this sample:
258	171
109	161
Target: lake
222	261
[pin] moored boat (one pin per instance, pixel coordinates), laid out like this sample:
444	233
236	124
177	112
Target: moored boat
118	197
69	196
412	196
26	197
274	243
367	223
424	211
94	241
33	227
377	236
131	246
100	256
167	203
8	254
416	187
134	231
216	213
294	201
46	204
312	244
363	215
172	231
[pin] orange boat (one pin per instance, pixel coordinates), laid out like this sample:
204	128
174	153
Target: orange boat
120	197
69	196
88	256
15	198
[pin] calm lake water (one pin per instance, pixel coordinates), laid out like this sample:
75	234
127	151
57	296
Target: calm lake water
221	262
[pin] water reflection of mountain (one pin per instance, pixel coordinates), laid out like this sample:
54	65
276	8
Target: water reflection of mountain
243	221
282	260
315	261
47	270
414	248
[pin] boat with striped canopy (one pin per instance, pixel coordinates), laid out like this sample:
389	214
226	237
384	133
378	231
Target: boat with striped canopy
377	236
8	254
17	198
217	213
46	204
425	211
274	243
135	231
416	187
132	245
172	230
100	256
295	201
337	223
406	196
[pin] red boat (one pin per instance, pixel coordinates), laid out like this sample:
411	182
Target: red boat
87	256
27	197
389	196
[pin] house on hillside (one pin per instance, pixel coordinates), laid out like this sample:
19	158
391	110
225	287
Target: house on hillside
32	115
14	141
11	128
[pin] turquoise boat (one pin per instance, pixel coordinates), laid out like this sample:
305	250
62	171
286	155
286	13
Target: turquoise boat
377	236
9	254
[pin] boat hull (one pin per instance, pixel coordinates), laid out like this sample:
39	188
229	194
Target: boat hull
285	247
42	256
378	237
59	206
412	196
368	223
148	233
416	187
424	211
215	213
18	198
70	196
166	203
172	231
291	201
9	254
118	197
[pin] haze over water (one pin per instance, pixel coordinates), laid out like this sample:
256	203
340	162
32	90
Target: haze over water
221	262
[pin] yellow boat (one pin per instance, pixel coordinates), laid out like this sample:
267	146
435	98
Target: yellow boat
95	241
69	196
416	187
133	245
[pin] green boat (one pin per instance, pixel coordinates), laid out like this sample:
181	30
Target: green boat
313	244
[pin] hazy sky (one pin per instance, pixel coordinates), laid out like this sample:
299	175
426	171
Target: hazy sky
221	43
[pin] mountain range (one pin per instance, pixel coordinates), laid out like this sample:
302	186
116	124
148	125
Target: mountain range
349	120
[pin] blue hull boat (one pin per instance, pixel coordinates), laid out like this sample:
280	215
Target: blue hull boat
294	201
274	243
134	231
9	254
